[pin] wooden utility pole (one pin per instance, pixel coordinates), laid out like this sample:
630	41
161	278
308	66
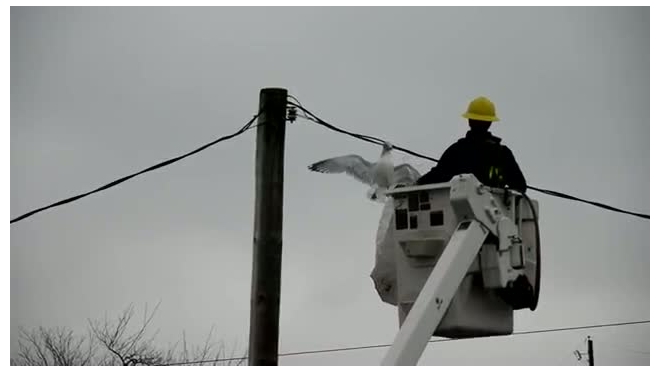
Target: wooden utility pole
267	248
590	350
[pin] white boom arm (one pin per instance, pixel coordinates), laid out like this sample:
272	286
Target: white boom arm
479	214
434	299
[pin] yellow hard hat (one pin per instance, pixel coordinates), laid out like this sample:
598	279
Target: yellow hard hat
481	109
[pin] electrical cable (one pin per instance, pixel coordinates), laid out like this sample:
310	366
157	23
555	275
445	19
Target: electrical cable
379	141
597	204
432	341
151	168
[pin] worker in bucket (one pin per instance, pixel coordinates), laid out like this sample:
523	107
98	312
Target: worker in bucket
479	153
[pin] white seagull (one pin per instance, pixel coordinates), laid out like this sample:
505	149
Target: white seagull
379	175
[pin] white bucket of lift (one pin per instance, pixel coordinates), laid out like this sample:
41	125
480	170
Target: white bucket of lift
424	223
414	229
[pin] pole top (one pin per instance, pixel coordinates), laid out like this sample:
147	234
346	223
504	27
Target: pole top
273	90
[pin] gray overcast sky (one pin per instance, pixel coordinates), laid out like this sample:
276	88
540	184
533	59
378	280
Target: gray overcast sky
97	93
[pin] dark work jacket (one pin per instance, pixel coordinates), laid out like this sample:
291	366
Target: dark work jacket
480	154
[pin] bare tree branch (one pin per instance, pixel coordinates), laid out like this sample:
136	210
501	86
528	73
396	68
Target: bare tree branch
112	343
56	346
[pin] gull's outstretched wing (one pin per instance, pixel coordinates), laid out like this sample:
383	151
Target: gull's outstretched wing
353	165
405	174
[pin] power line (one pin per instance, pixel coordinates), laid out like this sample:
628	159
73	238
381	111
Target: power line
379	141
151	168
332	350
312	117
598	204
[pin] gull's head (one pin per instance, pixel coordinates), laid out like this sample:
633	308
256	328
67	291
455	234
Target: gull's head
387	146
